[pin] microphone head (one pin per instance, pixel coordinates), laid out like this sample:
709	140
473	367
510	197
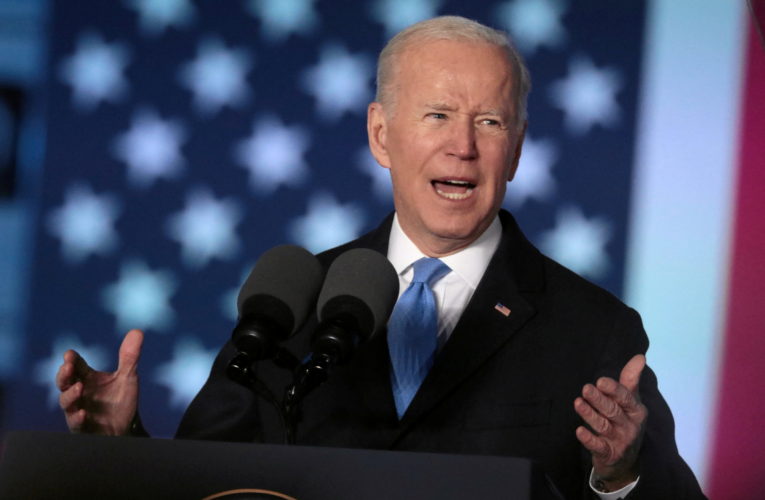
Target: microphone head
361	283
281	288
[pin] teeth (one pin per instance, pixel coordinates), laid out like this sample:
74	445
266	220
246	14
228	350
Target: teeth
456	196
457	183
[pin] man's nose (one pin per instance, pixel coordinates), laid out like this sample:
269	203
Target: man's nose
462	140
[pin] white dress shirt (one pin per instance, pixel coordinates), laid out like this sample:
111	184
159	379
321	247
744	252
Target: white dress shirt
454	290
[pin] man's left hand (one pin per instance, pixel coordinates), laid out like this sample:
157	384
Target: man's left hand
617	418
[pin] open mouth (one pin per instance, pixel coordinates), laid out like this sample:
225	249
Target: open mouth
453	189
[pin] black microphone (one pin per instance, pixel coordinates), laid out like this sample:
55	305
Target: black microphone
273	304
355	302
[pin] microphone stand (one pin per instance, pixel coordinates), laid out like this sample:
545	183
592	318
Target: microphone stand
333	343
240	369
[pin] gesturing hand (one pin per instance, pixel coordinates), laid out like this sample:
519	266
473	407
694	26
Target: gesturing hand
101	402
614	412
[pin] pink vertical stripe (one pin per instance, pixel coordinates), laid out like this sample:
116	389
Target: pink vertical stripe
737	465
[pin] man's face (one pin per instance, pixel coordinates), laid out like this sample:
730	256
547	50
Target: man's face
451	141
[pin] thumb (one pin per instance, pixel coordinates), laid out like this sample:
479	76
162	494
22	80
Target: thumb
630	376
130	352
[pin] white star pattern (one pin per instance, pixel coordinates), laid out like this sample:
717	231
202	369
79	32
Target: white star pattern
533	179
151	148
289	159
45	370
84	223
157	15
205	229
396	15
187	372
280	18
95	71
587	96
339	82
381	184
327	224
274	155
217	77
578	243
533	23
140	298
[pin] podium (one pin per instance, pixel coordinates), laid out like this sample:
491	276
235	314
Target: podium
38	465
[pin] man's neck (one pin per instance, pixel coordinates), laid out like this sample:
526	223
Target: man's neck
440	247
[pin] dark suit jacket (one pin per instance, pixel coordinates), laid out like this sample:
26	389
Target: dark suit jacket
502	385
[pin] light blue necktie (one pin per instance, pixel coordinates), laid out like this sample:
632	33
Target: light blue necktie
412	332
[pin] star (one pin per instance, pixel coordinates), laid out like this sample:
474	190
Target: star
217	77
84	223
274	155
533	23
381	184
95	71
45	370
533	178
157	15
151	148
140	298
339	82
587	96
396	15
578	243
280	18
327	224
205	228
187	372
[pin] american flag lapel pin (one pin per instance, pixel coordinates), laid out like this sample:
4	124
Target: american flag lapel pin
502	309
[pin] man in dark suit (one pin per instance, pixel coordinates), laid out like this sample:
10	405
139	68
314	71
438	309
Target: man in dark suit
526	351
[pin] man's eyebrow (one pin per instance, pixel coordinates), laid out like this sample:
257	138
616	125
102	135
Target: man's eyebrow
439	106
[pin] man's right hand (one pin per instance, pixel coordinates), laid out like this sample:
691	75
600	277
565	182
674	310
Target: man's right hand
100	402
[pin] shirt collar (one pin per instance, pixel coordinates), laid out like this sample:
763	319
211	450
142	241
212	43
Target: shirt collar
469	263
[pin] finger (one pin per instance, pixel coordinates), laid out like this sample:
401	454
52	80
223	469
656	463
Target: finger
69	399
596	421
76	420
603	404
72	369
630	376
130	352
81	367
597	446
64	378
625	398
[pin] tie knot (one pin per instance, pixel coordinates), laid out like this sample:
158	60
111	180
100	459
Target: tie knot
429	270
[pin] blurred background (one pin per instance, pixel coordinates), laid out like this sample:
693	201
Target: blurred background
151	150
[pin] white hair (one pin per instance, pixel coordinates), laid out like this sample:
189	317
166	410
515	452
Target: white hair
449	28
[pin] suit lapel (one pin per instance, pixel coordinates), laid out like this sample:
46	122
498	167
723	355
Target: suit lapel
514	270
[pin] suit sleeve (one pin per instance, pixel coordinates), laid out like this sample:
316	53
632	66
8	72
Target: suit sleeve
663	473
222	410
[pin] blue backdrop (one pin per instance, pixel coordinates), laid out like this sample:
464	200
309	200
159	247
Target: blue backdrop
185	138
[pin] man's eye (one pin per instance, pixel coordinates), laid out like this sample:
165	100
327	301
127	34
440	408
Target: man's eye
491	122
437	116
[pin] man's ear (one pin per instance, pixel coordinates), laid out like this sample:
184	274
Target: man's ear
517	153
377	129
